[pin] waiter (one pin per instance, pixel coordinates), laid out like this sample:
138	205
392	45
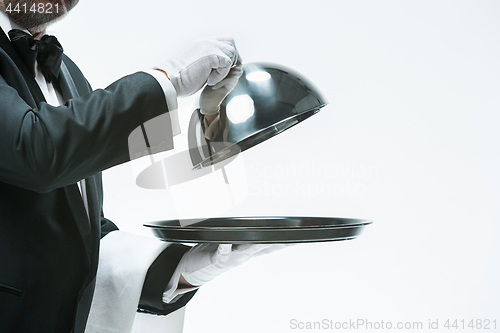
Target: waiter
56	136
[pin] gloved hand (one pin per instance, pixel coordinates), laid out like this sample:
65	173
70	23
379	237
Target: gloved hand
211	127
205	60
204	262
212	97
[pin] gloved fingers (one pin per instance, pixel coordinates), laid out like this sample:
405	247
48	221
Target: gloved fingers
231	79
204	262
239	60
199	256
224	249
226	46
255	250
227	82
217	45
225	39
235	56
250	249
211	99
200	249
205	60
217	75
211	132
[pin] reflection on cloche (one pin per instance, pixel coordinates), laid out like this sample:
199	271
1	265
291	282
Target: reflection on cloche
267	100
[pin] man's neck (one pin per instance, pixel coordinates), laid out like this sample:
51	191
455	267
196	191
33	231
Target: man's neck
37	34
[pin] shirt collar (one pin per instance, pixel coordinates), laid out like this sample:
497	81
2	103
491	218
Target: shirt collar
7	25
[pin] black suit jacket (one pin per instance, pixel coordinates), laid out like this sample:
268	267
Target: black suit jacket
48	247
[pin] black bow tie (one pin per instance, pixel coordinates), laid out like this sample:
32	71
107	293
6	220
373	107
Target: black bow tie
47	52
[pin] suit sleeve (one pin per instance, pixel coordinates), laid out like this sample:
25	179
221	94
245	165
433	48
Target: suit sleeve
155	283
51	147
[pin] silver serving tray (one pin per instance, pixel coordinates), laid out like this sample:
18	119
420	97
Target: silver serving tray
262	229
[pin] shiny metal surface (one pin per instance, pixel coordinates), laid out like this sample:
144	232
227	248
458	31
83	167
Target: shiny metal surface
263	229
267	100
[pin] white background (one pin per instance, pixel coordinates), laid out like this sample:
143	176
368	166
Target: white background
414	92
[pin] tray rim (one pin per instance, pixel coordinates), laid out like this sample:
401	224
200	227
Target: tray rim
240	241
359	222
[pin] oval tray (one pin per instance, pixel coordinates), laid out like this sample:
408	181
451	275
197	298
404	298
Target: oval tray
260	229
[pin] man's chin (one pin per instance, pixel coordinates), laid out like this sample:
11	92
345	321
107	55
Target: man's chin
34	24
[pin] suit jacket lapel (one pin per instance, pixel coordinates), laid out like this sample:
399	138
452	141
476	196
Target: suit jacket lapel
65	83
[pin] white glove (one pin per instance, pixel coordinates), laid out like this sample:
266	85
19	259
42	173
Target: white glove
204	262
205	60
212	129
212	96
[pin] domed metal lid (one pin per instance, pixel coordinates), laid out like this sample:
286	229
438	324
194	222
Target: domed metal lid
267	100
